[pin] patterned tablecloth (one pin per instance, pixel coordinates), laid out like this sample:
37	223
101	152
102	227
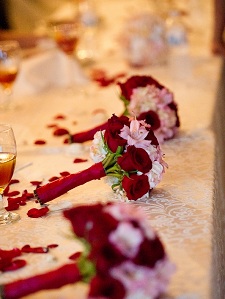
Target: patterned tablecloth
180	208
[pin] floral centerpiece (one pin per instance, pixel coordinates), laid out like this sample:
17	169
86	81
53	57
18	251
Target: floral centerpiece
144	40
148	100
127	152
123	258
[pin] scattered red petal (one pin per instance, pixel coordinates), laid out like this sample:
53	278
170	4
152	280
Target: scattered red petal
9	254
75	256
14	265
102	79
28	249
52	246
27	195
64	173
40	142
60	132
12	193
79	160
12	206
36	183
36	213
6	190
54	178
14	181
22	203
52	126
60	116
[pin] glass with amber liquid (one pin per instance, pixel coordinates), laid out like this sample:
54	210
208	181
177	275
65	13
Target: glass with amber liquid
66	36
10	57
7	165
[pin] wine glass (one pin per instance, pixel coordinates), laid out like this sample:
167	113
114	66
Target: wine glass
10	56
66	36
7	165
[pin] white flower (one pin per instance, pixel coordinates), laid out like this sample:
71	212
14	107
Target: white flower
127	212
142	282
127	239
97	149
155	175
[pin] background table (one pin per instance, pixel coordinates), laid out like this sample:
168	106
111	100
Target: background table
180	207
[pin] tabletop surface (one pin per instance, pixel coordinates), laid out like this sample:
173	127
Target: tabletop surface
179	208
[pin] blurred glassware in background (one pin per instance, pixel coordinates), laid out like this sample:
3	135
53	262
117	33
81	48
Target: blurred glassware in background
89	21
144	40
10	57
176	30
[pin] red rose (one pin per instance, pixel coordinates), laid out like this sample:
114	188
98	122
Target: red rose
134	82
135	186
105	254
135	159
112	138
91	223
106	287
151	118
150	252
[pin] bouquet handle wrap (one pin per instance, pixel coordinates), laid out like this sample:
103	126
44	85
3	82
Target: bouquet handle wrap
88	134
58	187
55	279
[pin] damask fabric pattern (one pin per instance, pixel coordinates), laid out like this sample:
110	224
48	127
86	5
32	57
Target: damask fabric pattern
180	209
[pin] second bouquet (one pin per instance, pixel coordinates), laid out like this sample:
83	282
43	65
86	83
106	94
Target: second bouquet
126	152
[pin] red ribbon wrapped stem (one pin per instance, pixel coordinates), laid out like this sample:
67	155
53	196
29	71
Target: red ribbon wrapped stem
88	134
62	185
55	279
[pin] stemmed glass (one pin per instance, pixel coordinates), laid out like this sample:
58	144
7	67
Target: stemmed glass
10	57
7	165
66	35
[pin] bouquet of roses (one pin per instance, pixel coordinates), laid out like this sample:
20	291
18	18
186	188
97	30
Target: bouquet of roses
123	258
148	100
127	152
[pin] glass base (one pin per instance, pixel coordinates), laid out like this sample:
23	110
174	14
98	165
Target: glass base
8	217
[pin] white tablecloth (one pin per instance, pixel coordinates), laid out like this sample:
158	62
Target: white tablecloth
180	207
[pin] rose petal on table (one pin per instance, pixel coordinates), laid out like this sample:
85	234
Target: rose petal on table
36	183
64	173
14	181
60	132
12	193
75	255
60	116
29	249
52	126
79	160
14	265
40	142
53	178
36	213
52	246
12	206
